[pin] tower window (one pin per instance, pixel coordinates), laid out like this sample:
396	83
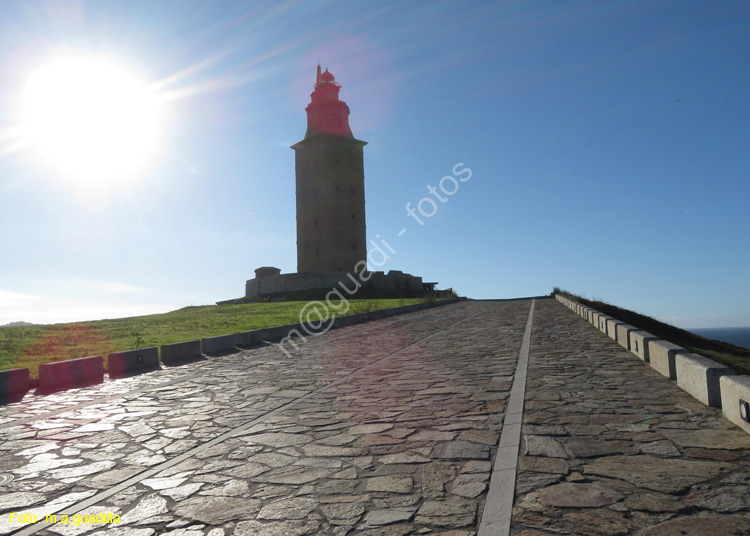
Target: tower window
354	217
316	222
338	189
337	162
354	247
317	252
352	191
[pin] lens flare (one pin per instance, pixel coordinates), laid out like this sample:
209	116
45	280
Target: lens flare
92	121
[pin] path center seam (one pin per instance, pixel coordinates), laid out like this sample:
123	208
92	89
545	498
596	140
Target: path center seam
498	507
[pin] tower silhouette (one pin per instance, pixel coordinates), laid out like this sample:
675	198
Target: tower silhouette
330	185
331	232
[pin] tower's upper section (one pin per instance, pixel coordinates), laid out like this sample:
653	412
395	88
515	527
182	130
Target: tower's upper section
326	114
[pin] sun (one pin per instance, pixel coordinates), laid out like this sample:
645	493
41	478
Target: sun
92	121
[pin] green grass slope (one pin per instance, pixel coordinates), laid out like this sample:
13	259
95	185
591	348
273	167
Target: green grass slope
30	346
728	354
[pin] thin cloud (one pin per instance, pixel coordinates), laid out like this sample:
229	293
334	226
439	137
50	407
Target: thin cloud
119	287
13	299
16	307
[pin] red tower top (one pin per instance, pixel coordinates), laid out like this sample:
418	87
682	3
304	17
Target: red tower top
326	114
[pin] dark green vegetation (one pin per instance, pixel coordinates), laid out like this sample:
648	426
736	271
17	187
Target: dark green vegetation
728	354
30	346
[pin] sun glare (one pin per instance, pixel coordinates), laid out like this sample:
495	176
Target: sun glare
92	121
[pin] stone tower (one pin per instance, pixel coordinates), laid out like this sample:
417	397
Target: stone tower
330	180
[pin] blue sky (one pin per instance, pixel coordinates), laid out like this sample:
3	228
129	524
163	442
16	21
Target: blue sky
608	143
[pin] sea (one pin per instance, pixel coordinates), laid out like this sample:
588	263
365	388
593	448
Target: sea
736	336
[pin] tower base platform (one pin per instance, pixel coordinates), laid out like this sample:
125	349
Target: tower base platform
319	286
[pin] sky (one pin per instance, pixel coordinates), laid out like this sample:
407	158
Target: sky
607	142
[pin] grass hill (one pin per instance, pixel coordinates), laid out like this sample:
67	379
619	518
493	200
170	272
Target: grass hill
728	354
30	346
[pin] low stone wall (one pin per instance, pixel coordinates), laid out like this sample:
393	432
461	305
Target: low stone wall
735	400
639	340
278	332
612	325
246	339
218	345
623	334
121	364
61	375
177	352
662	357
710	382
341	321
700	377
14	383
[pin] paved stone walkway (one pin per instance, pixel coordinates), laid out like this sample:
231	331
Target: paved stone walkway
613	447
384	428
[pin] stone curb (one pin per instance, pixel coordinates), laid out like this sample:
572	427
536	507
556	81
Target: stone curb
246	339
217	345
13	382
639	340
74	373
623	334
662	354
180	351
710	382
121	364
700	377
612	325
341	321
602	323
735	400
277	333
